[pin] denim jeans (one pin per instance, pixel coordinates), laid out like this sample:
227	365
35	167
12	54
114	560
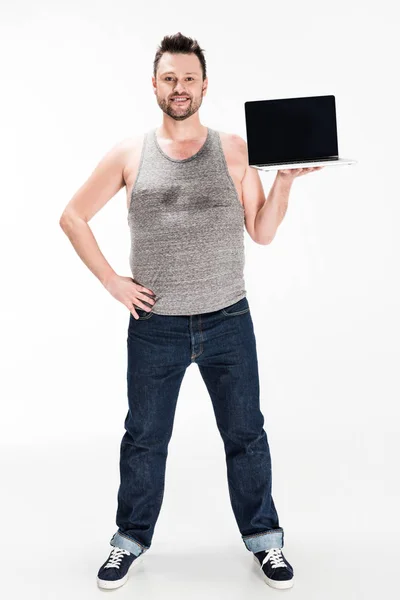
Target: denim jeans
160	348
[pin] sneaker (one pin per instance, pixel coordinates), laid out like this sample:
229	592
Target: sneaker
276	570
114	572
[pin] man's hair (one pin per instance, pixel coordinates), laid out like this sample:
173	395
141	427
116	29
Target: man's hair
179	44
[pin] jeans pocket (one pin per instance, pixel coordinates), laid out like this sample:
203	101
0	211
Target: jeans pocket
142	314
238	308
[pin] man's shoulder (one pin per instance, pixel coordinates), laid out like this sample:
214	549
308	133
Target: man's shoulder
234	143
129	149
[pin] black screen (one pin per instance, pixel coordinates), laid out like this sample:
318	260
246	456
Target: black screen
291	129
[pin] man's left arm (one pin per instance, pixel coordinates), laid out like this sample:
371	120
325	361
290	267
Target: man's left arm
272	212
264	215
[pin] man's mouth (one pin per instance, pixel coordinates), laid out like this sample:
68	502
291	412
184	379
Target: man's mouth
180	99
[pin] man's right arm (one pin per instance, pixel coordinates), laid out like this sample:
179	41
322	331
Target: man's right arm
104	182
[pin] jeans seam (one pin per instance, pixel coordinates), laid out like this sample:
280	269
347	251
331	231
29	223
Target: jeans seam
201	337
201	340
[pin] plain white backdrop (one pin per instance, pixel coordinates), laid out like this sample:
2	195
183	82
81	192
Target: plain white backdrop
324	298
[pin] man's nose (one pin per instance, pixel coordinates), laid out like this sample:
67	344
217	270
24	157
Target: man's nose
179	89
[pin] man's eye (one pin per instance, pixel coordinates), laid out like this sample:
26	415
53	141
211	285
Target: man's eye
171	78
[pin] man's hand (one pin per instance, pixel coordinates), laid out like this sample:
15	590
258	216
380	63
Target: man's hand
130	293
290	174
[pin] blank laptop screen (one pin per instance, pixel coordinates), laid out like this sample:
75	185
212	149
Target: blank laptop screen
291	129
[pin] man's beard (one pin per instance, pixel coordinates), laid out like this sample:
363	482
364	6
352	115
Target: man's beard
178	114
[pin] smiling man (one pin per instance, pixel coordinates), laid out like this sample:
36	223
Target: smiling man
190	194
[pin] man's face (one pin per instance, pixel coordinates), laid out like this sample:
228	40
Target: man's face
179	75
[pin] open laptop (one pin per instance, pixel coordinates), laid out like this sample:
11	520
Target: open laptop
291	133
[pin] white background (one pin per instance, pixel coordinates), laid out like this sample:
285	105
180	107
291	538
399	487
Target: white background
324	298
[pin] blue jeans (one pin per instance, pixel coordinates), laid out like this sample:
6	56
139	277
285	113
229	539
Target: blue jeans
160	348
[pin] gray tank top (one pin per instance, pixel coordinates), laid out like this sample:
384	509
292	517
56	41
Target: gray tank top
187	229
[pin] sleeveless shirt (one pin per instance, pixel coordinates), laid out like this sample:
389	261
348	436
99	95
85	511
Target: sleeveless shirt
187	229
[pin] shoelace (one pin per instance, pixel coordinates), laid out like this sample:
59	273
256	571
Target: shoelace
276	558
115	558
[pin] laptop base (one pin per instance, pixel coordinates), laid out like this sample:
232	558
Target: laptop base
300	165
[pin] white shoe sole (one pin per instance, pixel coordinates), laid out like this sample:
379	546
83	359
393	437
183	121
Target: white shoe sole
110	585
277	584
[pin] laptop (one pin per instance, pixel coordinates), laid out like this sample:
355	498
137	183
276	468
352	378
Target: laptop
291	133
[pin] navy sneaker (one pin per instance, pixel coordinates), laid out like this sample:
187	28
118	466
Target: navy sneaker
114	572
276	570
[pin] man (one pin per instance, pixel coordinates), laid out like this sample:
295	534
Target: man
190	192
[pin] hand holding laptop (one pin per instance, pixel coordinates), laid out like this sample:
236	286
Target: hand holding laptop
293	173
